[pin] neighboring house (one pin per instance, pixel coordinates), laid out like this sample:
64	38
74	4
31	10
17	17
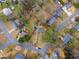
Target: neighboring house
67	38
66	7
77	27
1	1
55	55
58	3
7	11
44	57
57	13
24	33
16	23
40	29
20	56
64	23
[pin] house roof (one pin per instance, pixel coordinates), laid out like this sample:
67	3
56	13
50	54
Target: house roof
50	22
20	56
67	38
59	12
55	55
77	27
24	33
2	0
15	23
40	30
68	5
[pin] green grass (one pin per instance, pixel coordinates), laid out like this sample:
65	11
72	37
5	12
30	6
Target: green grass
48	38
61	2
49	31
69	0
4	5
71	43
76	5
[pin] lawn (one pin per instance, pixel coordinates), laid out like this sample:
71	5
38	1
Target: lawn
48	36
76	5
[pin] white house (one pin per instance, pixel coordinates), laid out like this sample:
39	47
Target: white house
2	1
7	11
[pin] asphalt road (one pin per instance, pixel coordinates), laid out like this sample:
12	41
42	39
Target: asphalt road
63	24
6	33
11	40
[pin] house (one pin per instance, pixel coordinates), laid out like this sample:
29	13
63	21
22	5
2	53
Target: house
66	7
1	1
77	27
67	38
44	57
7	11
15	23
24	33
20	56
40	29
57	13
55	55
58	3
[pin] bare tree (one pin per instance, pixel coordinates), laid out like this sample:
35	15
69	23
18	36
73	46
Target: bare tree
28	5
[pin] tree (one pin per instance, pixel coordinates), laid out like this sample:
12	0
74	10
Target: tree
28	5
61	1
25	38
50	38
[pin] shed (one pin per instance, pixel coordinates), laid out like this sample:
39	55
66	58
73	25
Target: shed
67	38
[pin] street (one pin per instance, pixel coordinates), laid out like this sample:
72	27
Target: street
61	26
11	40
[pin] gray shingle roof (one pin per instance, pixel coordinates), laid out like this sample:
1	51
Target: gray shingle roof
57	13
67	38
40	30
77	27
20	56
